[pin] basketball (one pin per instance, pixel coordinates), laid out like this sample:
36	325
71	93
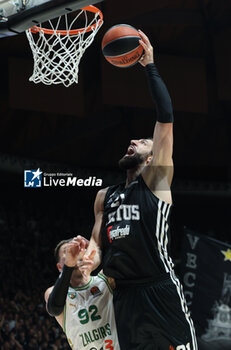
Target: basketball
121	47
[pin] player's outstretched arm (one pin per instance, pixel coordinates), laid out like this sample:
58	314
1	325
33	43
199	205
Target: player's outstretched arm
158	176
95	241
56	297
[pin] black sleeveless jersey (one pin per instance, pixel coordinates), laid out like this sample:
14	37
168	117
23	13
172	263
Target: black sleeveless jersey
135	233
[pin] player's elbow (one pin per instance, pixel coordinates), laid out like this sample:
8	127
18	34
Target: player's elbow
53	309
165	116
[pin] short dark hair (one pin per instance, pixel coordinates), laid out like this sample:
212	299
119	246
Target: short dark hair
59	245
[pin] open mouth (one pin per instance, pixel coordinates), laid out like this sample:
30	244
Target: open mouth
131	150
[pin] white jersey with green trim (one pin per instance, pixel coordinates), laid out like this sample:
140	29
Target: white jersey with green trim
89	321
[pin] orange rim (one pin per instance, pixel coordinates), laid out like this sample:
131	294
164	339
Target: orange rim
89	8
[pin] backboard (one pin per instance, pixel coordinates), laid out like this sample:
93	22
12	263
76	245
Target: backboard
18	15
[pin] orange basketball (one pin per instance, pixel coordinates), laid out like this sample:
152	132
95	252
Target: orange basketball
121	47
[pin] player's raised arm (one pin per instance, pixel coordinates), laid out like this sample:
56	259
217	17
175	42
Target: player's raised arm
95	241
161	166
56	297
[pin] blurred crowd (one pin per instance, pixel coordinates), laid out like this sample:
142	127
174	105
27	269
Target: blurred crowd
25	324
28	236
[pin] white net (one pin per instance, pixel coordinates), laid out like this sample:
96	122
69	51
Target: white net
57	56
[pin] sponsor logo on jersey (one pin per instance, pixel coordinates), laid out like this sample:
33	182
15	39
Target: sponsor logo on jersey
72	295
118	232
95	291
74	306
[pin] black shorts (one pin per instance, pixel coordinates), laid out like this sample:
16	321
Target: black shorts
153	315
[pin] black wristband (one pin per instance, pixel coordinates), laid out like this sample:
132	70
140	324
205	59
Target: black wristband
57	298
159	94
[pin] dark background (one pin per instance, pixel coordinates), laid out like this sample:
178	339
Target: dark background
86	128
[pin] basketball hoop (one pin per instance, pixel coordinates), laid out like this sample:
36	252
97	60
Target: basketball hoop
57	52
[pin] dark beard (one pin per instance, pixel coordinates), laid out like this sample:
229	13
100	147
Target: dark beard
133	162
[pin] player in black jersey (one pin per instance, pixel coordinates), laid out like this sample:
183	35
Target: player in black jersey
131	236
